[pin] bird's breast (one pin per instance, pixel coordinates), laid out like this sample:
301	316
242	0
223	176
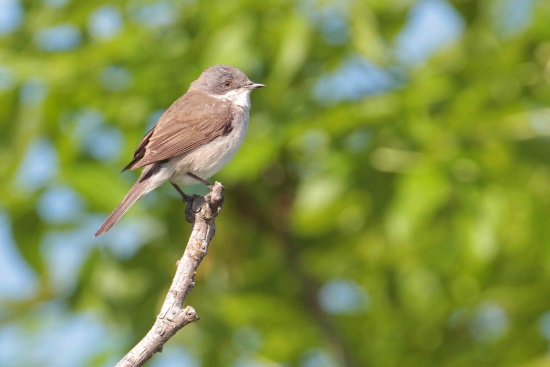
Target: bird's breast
206	160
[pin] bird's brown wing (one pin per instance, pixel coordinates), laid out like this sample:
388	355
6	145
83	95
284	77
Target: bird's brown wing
193	120
140	150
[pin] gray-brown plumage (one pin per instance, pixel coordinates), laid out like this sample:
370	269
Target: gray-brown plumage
196	136
181	129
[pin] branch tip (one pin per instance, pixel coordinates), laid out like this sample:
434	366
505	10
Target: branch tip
201	212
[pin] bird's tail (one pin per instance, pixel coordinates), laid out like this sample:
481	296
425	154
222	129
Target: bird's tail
144	185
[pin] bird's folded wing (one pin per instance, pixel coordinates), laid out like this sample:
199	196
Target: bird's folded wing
193	120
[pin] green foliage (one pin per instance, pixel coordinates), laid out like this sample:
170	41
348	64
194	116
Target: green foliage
427	201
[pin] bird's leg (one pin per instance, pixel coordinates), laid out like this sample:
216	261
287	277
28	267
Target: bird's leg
184	196
204	182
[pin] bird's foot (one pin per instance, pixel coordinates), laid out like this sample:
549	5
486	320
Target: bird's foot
186	198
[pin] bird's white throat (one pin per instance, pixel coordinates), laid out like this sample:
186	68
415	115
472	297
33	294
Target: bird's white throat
240	97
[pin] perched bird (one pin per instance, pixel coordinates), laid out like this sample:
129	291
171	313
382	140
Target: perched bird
194	138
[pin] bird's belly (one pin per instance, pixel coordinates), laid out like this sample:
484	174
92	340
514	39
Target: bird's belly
208	159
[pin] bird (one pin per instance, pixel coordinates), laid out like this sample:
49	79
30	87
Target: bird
194	138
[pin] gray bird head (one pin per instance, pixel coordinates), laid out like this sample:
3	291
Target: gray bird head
221	80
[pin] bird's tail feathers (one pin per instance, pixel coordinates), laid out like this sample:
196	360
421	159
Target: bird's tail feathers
144	185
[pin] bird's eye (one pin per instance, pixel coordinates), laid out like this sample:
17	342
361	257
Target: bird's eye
227	83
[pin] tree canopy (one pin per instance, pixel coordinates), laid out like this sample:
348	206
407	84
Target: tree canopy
389	205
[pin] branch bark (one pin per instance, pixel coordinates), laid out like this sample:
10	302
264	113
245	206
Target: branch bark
201	211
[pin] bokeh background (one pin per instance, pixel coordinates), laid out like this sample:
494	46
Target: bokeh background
389	206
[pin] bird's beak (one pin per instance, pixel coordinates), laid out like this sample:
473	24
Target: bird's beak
254	86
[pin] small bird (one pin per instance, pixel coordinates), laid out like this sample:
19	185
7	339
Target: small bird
194	138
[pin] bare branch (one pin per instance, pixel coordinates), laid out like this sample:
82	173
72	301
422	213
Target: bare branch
201	211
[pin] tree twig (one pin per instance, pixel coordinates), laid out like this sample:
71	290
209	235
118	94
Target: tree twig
201	211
